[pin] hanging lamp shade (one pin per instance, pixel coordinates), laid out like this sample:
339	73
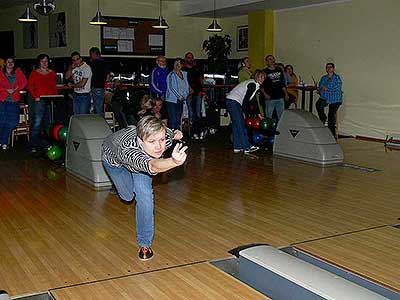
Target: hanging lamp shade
98	19
27	16
214	26
161	23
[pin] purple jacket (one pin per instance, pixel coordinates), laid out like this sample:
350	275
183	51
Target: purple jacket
158	81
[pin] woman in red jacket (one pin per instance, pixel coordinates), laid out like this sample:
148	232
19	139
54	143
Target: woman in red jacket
42	81
12	81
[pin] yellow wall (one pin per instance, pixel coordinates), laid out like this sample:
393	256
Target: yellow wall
261	37
184	33
361	38
8	21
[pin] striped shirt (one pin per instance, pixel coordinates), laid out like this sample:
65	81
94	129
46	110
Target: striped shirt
121	149
334	92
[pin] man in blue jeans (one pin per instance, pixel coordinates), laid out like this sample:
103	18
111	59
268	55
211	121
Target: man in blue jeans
81	75
100	72
273	89
131	157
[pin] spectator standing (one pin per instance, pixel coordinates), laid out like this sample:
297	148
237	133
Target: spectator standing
42	82
81	74
158	78
291	85
194	102
100	72
177	93
12	81
330	91
244	69
273	88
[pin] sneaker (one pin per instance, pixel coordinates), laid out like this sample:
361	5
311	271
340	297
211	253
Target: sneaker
33	150
202	135
237	150
196	136
4	147
213	131
251	149
145	253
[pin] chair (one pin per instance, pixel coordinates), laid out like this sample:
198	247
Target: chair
23	125
110	119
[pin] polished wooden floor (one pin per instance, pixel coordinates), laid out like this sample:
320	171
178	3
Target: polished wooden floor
56	233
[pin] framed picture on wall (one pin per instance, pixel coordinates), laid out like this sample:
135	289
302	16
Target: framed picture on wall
57	30
30	35
242	38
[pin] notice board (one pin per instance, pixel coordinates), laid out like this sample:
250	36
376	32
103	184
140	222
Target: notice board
131	36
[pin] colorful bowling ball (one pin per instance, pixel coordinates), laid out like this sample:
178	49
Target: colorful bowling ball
248	122
54	132
265	124
274	124
257	138
54	152
255	123
63	134
270	140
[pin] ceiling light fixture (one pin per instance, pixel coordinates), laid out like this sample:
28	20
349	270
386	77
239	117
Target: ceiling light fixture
161	23
44	7
27	16
214	26
98	19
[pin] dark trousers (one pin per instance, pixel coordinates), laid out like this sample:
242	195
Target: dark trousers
9	115
333	108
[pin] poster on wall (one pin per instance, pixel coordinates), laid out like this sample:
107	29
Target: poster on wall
57	30
242	38
30	35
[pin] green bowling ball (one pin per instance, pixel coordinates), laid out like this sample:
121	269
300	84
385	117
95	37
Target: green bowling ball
265	124
54	152
63	134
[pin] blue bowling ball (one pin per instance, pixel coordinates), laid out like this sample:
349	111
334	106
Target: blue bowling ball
257	137
271	140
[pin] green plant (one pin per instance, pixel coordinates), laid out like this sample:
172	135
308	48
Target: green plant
218	49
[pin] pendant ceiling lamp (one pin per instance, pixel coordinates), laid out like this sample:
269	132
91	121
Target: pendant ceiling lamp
161	23
214	26
27	16
44	7
98	19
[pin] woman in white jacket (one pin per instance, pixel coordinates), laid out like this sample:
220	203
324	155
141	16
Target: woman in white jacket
177	92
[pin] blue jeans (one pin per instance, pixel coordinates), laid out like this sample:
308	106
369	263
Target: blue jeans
41	117
81	103
9	117
270	105
239	131
174	114
98	100
139	186
198	122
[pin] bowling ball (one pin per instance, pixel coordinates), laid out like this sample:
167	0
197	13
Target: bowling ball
265	124
274	124
62	134
54	131
54	152
270	140
248	122
257	138
255	123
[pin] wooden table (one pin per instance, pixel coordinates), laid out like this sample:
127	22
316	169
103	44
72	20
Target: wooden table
304	89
